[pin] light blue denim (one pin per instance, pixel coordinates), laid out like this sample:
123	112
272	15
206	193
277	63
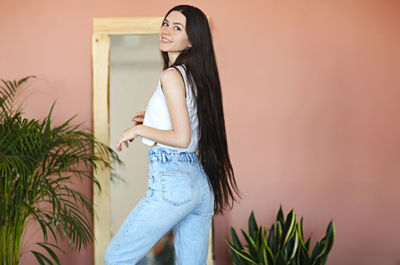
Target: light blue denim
178	197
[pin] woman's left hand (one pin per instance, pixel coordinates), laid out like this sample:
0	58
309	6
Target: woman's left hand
127	135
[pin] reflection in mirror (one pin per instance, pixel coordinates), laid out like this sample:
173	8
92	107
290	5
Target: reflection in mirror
135	67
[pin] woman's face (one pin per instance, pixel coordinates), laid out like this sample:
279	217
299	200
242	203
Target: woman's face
173	36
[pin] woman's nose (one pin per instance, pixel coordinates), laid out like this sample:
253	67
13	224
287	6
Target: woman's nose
166	31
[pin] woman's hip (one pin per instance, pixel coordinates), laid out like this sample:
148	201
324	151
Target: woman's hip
177	175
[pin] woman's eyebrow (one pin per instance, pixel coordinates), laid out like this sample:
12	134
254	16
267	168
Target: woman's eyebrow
174	22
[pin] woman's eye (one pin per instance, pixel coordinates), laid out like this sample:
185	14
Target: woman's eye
166	24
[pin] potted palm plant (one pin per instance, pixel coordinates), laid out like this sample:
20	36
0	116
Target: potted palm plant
38	163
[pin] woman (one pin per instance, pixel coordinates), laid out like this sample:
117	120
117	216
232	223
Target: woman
183	116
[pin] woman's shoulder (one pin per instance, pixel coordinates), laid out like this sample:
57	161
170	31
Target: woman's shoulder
177	68
172	73
172	77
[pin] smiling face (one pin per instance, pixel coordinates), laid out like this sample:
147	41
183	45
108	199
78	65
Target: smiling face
173	36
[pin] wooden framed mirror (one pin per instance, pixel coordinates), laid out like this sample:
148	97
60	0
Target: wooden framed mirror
125	58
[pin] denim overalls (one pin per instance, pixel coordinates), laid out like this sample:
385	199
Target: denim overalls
178	197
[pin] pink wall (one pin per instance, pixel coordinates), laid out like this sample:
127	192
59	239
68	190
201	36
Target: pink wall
311	93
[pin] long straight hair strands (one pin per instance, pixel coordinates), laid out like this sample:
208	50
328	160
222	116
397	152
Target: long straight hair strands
202	72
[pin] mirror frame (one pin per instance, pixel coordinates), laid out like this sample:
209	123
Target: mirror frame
102	29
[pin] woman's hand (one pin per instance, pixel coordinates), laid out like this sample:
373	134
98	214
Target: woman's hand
138	118
127	135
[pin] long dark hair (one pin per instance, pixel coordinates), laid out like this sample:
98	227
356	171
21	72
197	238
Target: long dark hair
201	69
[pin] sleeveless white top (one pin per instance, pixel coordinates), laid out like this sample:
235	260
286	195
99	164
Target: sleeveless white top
157	115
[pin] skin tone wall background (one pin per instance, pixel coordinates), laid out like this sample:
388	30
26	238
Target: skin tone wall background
310	90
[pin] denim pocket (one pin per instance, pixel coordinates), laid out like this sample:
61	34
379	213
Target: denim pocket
177	187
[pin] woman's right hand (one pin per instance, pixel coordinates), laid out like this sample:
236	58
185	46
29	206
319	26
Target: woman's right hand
138	117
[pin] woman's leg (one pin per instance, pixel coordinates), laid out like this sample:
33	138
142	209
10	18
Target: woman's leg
169	198
191	234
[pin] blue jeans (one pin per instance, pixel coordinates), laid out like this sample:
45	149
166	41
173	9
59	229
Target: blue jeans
178	197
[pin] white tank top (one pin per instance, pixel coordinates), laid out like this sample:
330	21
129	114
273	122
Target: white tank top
157	115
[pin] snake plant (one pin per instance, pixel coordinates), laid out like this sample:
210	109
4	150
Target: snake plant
39	163
284	244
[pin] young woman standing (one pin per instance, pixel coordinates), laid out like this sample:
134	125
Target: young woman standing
184	116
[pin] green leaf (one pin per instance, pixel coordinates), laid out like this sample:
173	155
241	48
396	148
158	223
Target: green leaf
330	232
242	254
307	244
263	249
251	244
235	239
318	251
280	259
303	258
253	226
289	227
280	216
295	247
301	228
41	258
271	239
270	255
278	235
50	251
236	259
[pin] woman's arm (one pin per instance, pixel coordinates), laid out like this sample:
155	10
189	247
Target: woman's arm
174	91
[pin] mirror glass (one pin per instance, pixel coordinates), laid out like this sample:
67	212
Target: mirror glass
135	67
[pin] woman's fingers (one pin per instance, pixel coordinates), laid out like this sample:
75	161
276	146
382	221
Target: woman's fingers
119	145
119	148
138	120
138	115
124	138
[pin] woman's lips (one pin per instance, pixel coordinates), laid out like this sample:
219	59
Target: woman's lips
164	40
